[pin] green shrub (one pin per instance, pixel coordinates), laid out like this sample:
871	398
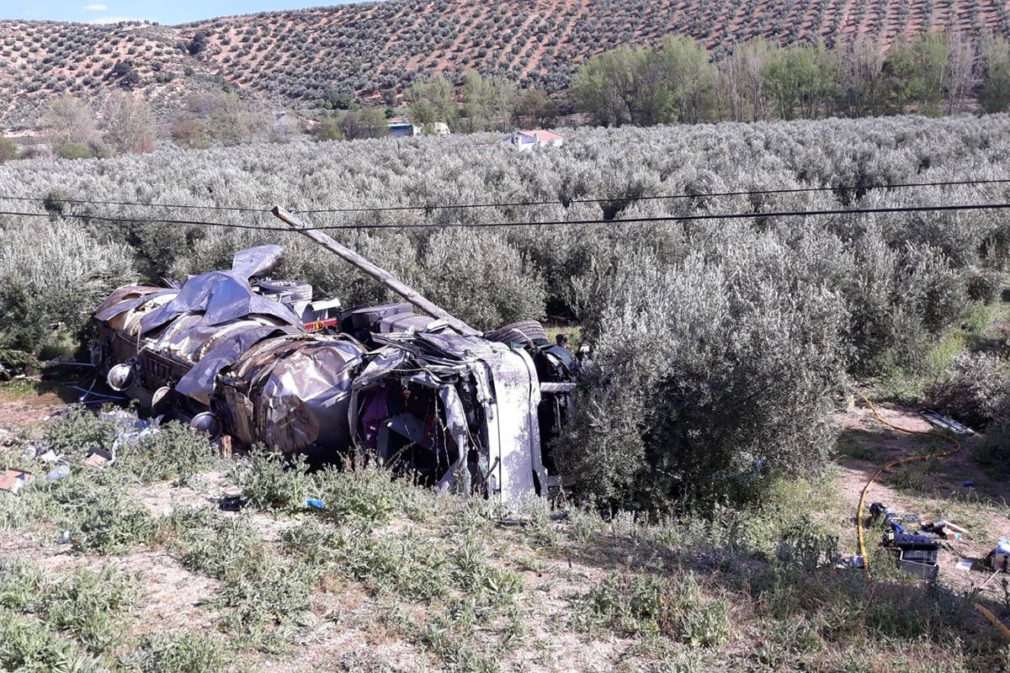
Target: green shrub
174	451
110	522
70	150
972	389
366	496
271	480
77	430
90	606
8	150
704	381
216	546
53	278
984	286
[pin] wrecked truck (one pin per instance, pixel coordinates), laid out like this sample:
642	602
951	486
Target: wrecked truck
237	352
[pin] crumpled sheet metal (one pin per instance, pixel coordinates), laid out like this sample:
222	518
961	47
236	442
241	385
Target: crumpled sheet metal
296	392
222	296
199	382
126	298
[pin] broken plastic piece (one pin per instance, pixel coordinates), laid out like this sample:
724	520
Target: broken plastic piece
60	472
938	420
99	459
315	503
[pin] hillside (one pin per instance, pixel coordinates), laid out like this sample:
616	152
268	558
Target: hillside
374	47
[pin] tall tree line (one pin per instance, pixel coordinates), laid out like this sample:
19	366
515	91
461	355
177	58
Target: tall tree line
930	73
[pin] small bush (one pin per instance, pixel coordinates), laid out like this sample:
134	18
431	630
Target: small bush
984	286
367	496
88	605
972	389
173	452
271	480
109	522
77	430
8	150
74	151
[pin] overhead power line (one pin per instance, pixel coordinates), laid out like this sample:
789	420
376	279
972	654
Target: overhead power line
90	202
654	197
516	204
550	223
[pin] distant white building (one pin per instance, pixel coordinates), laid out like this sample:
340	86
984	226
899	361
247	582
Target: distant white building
524	140
401	127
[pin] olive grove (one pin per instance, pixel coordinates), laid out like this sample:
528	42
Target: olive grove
720	347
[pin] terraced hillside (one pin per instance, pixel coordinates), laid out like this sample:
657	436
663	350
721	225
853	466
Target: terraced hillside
370	48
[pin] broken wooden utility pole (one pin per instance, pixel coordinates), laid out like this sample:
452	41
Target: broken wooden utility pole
378	273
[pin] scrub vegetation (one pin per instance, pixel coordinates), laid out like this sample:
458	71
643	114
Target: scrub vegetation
373	52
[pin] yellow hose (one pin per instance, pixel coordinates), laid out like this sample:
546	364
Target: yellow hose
895	463
987	613
984	611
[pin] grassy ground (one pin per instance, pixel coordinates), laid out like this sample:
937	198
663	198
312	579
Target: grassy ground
155	577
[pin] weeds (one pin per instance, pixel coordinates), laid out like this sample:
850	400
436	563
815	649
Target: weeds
88	605
674	607
184	653
270	480
109	522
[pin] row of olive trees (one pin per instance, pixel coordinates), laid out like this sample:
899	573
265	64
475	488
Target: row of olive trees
927	73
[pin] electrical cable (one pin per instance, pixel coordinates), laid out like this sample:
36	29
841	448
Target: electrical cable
658	197
487	225
512	204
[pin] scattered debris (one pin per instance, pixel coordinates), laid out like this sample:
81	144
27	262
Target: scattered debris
60	472
946	530
231	503
916	553
968	483
14	480
938	420
855	562
999	558
315	503
964	565
224	446
99	459
64	538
